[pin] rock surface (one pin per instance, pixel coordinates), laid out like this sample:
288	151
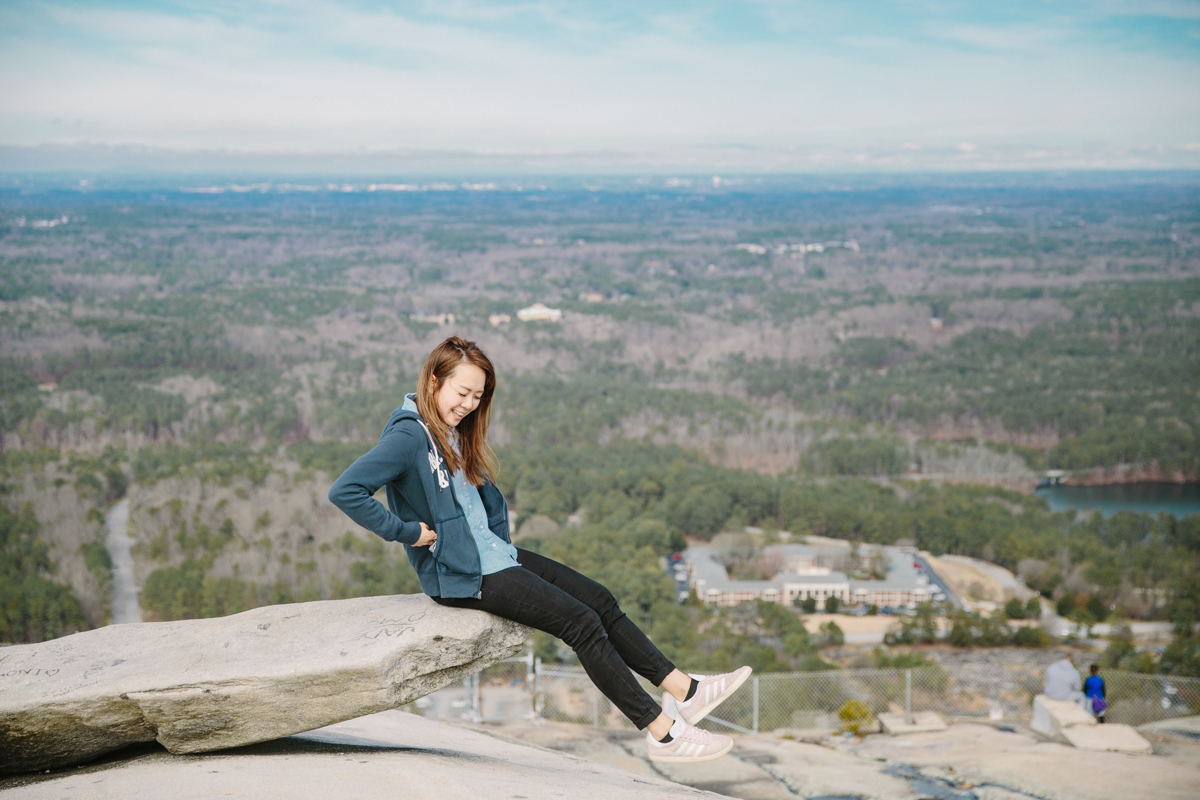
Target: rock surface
1051	717
200	685
1113	736
922	721
964	760
1180	726
1022	764
386	756
759	768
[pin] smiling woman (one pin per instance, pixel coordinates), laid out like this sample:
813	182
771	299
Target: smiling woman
454	398
445	508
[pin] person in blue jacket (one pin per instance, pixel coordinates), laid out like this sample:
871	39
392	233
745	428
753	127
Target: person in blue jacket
444	507
1094	691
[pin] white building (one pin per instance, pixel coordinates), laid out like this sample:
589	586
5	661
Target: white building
818	587
434	319
806	573
753	249
539	312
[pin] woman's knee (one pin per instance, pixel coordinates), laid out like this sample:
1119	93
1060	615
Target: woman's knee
583	629
607	607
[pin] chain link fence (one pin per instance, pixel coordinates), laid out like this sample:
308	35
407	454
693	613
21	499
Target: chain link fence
1137	699
800	702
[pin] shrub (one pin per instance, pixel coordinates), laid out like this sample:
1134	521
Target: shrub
961	636
855	716
1031	636
1033	608
1014	609
831	634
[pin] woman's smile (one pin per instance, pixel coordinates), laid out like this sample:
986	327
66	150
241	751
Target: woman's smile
460	393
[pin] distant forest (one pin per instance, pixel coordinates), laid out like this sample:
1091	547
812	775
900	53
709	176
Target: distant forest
874	361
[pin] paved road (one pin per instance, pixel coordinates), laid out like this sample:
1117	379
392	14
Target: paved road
125	606
940	582
999	574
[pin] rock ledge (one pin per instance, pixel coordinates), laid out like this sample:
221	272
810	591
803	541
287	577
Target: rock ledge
200	685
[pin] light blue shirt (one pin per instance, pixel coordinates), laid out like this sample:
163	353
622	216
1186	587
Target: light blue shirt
495	554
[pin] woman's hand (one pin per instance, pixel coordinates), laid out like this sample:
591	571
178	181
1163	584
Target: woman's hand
428	536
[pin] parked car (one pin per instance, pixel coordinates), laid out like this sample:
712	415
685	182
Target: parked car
1171	700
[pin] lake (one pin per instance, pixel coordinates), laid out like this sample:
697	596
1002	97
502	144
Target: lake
1174	498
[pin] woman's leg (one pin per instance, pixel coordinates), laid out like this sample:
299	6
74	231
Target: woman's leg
637	651
522	596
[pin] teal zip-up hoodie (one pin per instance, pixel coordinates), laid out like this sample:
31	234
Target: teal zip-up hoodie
407	462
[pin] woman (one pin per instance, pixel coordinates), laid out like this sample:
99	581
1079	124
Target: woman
439	472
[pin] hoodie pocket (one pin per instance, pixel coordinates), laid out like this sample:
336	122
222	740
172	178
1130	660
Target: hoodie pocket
456	549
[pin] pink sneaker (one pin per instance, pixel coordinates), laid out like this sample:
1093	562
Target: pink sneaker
712	691
689	745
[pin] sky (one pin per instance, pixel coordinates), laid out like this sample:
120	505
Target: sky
616	86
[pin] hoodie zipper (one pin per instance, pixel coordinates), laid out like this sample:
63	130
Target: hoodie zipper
435	459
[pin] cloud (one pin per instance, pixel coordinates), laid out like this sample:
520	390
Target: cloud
1017	37
549	77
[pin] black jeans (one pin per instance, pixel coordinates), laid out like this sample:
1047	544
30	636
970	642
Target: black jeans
554	598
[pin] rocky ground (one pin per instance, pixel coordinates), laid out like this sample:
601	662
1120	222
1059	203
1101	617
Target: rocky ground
968	761
396	755
386	756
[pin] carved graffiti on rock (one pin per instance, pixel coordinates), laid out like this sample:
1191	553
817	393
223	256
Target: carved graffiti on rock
393	627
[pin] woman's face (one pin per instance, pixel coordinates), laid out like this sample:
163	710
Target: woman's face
460	393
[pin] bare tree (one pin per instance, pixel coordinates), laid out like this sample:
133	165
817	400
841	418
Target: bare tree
735	549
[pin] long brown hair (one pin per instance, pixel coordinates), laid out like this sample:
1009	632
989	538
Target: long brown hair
475	458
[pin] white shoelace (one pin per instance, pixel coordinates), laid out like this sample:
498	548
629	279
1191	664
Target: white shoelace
694	734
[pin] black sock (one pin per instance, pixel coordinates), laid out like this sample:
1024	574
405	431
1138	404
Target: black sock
667	738
692	690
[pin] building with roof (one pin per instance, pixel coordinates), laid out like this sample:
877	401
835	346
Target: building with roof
808	573
539	312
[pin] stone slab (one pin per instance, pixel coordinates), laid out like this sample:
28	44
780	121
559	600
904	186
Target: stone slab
391	755
727	775
1050	717
201	685
810	770
1028	764
1183	726
1110	736
897	724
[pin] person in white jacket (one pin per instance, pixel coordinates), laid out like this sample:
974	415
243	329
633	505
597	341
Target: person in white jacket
1063	683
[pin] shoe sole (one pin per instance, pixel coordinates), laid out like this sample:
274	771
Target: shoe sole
721	698
690	759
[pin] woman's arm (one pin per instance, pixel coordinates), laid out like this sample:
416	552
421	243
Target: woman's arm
353	492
